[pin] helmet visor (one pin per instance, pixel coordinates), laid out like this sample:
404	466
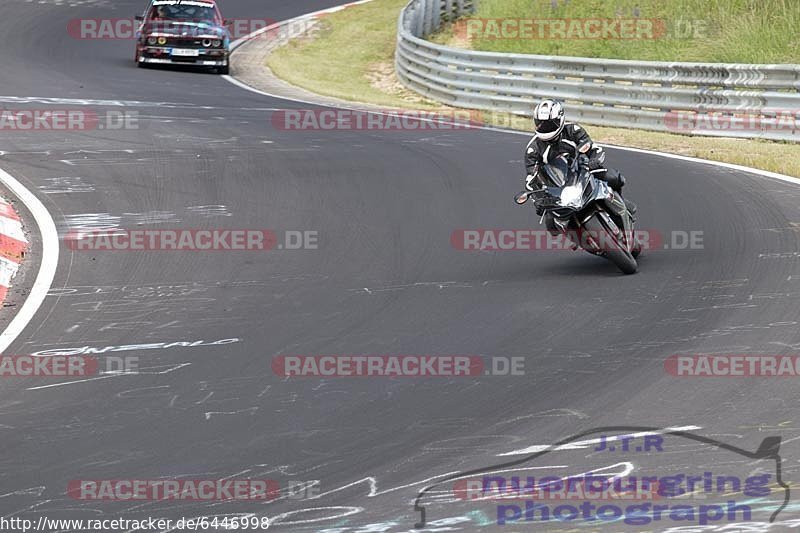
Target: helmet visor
547	126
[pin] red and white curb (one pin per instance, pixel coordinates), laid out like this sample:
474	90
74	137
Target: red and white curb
13	245
11	238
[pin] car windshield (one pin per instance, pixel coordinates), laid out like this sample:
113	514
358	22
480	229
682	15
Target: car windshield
184	12
558	170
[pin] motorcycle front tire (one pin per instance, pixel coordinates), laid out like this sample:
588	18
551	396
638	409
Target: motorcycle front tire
614	251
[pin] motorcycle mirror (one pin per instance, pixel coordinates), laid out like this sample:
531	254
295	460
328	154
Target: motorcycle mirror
522	197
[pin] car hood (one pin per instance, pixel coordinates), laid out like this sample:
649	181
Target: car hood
184	29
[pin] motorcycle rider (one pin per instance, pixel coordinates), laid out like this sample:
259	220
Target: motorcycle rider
552	129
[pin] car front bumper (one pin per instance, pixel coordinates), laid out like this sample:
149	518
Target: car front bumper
199	62
164	56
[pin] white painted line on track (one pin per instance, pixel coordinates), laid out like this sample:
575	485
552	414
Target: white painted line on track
47	268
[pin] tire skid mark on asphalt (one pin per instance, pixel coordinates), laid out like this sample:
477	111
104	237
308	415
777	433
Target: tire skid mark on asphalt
249	410
83	223
66	185
105	311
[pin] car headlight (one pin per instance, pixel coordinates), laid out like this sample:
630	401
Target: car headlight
217	43
206	43
571	195
151	41
162	41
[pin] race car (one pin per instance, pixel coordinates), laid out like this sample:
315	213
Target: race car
183	32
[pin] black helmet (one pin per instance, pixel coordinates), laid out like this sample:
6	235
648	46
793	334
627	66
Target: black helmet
548	119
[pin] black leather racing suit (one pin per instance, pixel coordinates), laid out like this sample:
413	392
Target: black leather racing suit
572	136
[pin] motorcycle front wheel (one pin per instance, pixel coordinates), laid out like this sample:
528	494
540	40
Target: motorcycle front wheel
614	251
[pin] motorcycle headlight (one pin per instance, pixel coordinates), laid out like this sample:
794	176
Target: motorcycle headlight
217	43
151	41
162	41
571	195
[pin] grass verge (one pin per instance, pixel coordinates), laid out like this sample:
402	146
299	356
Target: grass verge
717	31
352	58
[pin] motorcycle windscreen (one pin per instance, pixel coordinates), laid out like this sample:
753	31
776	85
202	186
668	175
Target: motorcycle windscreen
558	170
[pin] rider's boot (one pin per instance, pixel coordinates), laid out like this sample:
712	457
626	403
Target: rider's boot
617	181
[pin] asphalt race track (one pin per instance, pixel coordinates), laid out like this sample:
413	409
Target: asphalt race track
384	280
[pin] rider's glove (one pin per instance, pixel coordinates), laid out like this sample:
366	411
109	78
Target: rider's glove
597	158
595	163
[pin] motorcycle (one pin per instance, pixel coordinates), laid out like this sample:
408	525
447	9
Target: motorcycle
587	210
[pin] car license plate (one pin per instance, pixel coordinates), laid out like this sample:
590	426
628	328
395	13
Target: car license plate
183	52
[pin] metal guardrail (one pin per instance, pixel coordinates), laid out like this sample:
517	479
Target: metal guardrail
730	100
